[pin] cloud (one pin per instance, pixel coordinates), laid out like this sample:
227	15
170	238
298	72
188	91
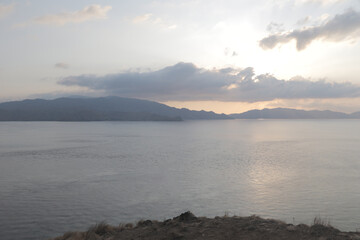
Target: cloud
88	13
342	27
186	82
303	21
62	65
142	18
6	10
323	2
61	94
229	52
151	19
275	27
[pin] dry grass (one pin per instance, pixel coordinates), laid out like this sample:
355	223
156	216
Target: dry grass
321	221
95	232
188	227
72	236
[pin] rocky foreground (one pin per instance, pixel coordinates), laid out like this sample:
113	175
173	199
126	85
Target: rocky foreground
188	226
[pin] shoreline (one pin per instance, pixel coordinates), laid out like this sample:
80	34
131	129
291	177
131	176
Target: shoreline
188	226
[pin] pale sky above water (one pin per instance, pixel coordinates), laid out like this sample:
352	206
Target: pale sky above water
226	56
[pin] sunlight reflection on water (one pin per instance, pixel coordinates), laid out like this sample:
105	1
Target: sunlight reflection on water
56	177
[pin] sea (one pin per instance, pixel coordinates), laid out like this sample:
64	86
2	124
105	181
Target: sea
57	177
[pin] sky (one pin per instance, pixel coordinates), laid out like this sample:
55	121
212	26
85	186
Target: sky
225	56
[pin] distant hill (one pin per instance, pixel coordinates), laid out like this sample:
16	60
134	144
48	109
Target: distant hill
130	109
97	109
355	115
286	113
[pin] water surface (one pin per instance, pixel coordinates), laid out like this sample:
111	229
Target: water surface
61	176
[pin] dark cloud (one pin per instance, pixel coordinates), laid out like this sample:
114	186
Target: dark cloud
342	27
184	81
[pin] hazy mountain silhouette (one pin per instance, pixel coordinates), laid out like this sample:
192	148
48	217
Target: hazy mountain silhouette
97	109
287	113
130	109
355	115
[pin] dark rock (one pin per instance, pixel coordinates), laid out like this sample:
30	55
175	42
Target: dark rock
319	230
186	217
251	228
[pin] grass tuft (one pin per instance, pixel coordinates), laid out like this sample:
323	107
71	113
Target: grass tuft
99	229
321	221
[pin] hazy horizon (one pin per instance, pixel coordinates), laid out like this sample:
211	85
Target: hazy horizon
196	107
226	57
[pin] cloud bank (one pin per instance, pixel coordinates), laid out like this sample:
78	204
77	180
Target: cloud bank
88	13
186	82
341	27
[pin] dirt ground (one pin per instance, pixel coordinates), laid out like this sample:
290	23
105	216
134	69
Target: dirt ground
188	226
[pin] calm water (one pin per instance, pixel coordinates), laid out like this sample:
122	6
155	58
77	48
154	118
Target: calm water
56	177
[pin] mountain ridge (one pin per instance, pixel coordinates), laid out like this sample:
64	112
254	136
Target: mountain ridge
289	113
97	109
114	108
